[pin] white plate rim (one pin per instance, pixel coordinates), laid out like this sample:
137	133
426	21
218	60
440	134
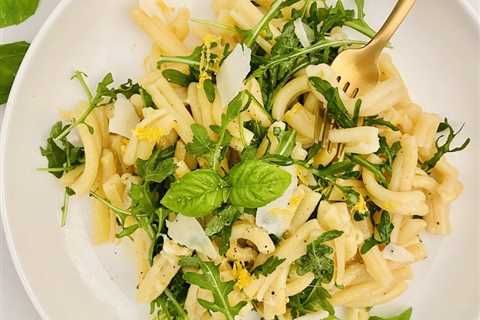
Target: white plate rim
45	28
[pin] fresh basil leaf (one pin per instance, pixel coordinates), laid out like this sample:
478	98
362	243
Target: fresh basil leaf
256	183
16	11
11	56
226	217
210	280
196	194
405	315
209	89
268	266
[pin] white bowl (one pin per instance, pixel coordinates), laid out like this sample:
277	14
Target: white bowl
67	278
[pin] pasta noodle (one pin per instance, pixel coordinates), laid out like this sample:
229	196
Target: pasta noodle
250	184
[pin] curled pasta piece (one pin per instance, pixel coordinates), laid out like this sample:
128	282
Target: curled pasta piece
361	140
256	235
256	108
425	130
165	266
299	283
92	144
377	267
275	299
302	120
405	203
447	175
305	208
410	230
165	97
286	95
438	220
357	314
383	96
160	33
384	296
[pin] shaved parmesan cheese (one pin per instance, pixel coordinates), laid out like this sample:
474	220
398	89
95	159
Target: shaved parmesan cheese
397	253
301	33
275	217
232	72
124	119
247	313
188	232
314	316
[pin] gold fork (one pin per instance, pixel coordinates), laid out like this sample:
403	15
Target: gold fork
357	69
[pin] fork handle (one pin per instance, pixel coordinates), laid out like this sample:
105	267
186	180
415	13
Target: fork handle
383	36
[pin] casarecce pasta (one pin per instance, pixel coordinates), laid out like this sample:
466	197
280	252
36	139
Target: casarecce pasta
250	184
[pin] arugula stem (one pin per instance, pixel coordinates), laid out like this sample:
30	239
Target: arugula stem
66	199
77	122
80	76
213	24
277	5
370	166
166	59
174	301
122	214
317	46
218	149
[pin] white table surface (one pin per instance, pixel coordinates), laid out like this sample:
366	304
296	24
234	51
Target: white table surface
14	302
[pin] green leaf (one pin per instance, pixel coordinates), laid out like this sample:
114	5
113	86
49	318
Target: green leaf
11	56
256	183
268	266
226	217
258	130
375	121
62	156
201	144
317	258
209	89
286	143
159	172
381	233
313	299
148	169
170	304
335	108
374	168
177	77
445	147
16	11
210	280
388	152
405	315
196	194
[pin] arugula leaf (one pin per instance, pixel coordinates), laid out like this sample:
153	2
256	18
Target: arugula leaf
317	258
381	235
256	183
169	305
252	35
444	148
405	315
16	11
313	299
376	121
197	193
374	168
226	217
258	130
286	143
209	89
11	56
359	24
201	144
210	280
61	158
268	266
389	153
178	77
237	105
335	108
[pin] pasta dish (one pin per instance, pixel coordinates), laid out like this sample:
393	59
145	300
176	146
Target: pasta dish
251	185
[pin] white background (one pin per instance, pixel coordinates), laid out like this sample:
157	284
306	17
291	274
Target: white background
14	303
